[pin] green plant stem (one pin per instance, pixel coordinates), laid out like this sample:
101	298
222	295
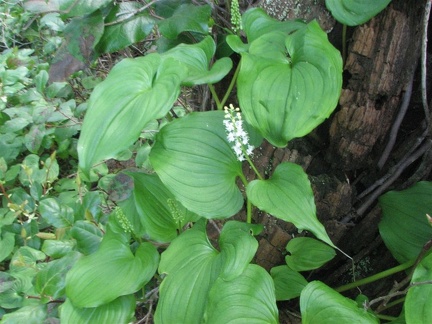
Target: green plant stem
376	277
220	103
215	97
248	202
231	86
386	317
253	166
168	117
344	47
249	211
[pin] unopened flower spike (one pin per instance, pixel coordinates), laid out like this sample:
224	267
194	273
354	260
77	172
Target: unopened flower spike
236	20
236	135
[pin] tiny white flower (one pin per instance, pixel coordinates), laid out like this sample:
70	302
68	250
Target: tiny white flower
235	133
249	149
231	137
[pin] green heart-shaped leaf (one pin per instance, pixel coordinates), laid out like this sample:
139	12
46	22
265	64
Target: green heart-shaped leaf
306	254
404	227
114	263
135	92
418	300
50	281
120	310
249	298
191	265
321	304
256	23
186	18
288	283
122	34
288	195
355	12
197	58
154	206
195	161
87	235
289	84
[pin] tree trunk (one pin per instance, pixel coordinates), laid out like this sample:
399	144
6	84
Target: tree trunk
342	156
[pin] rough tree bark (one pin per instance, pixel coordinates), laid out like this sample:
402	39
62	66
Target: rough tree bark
342	155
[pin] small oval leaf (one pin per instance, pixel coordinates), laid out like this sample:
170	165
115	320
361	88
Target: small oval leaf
288	283
355	12
288	195
321	304
306	254
404	207
418	303
114	262
249	298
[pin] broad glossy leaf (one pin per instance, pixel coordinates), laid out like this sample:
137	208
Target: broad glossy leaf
25	258
7	243
87	235
305	253
186	18
50	281
89	206
14	289
119	187
197	58
69	8
120	310
288	195
113	263
155	208
195	161
120	35
10	146
55	213
82	34
33	139
135	92
418	303
289	84
321	304
288	283
355	12
7	283
57	249
32	314
256	22
191	265
404	226
238	247
249	298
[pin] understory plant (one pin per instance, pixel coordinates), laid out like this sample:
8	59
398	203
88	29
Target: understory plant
140	240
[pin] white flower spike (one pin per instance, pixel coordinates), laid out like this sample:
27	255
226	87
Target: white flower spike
235	133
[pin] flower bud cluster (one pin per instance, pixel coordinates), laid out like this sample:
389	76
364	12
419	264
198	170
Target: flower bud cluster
123	220
236	20
235	133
